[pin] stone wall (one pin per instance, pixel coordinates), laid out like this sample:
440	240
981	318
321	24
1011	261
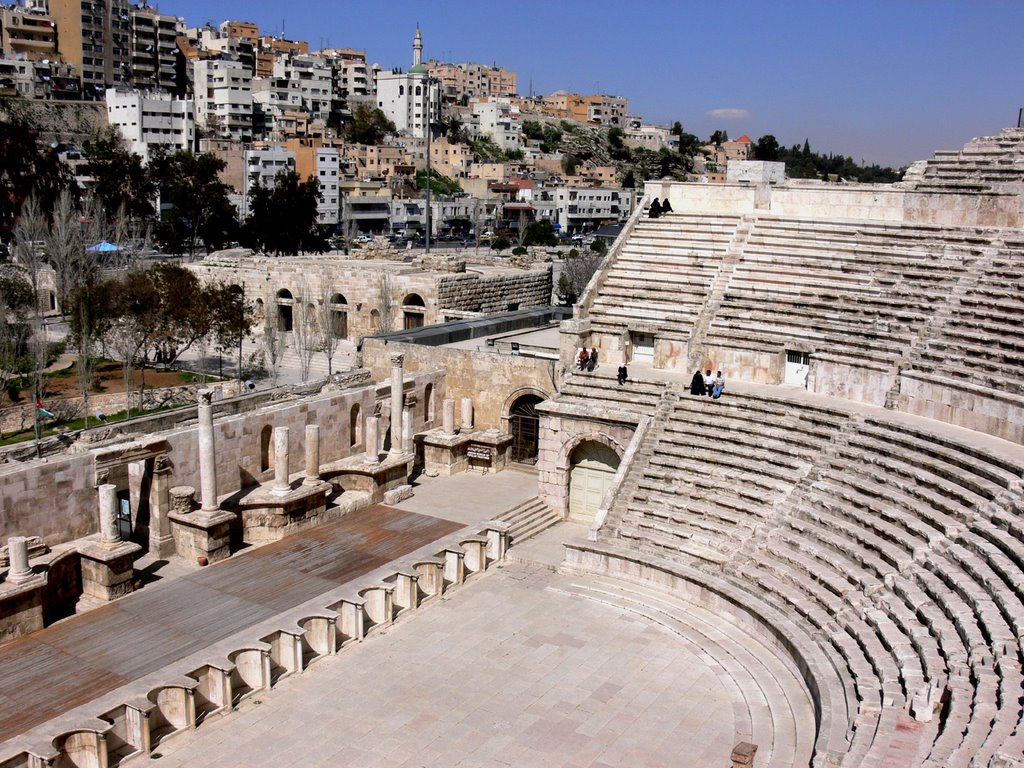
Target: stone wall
377	295
984	410
55	497
493	381
874	202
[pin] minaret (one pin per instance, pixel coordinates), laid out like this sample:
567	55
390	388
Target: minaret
417	48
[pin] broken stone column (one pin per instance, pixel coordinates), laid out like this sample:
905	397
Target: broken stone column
108	516
207	452
372	432
397	445
467	414
312	455
281	484
17	552
448	417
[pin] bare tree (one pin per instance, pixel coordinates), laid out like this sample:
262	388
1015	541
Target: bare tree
385	303
65	248
272	350
30	231
305	331
328	322
577	269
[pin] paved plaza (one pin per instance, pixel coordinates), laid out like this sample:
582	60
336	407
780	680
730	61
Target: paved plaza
509	670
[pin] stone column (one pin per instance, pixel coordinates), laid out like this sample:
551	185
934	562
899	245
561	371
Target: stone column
448	417
161	543
207	452
397	445
371	432
407	427
108	516
467	414
17	553
281	484
312	455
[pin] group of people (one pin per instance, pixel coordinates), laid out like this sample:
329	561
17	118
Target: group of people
706	384
657	209
586	361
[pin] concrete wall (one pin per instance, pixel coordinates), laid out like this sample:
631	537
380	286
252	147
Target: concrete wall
491	380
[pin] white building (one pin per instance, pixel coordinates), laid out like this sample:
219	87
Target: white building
328	173
311	78
581	209
406	97
223	93
148	119
261	168
754	172
498	120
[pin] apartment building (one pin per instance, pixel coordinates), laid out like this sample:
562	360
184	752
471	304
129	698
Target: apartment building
27	33
261	168
353	77
500	121
582	209
96	38
150	119
452	160
223	98
153	46
462	82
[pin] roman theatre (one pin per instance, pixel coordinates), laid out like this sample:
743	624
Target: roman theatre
464	551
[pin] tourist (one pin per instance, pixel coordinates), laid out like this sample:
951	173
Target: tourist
582	359
592	360
697	383
655	211
719	386
623	374
709	382
666	207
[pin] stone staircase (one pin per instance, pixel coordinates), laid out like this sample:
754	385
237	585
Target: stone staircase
715	297
528	519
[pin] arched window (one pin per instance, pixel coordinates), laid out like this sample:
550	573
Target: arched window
418	90
401	90
355	426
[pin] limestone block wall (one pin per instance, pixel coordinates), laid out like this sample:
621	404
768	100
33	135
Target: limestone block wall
877	202
472	292
53	498
983	410
493	381
836	379
559	437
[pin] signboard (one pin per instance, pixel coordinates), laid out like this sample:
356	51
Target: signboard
479	452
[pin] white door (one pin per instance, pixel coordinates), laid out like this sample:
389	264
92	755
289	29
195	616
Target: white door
643	346
593	467
797	365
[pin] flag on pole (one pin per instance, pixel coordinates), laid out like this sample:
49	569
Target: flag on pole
43	411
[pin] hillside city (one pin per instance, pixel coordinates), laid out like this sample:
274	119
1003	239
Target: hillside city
264	106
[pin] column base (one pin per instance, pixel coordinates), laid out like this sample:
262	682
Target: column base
107	571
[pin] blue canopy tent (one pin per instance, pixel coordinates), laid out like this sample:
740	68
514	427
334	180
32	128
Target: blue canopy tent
103	247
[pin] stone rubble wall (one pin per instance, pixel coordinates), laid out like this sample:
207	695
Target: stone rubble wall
494	293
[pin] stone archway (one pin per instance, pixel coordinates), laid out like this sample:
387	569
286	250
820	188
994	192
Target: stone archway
592	467
524	426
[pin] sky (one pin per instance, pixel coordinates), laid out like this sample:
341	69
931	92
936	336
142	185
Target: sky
883	81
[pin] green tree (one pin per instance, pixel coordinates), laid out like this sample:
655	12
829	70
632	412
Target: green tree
677	129
369	125
283	219
552	140
16	297
767	148
499	244
200	210
598	245
120	180
718	137
540	233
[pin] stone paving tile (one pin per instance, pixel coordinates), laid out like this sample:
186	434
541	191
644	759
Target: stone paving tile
502	672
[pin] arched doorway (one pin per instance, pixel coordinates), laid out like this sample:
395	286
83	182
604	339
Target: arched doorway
524	424
285	302
339	316
413	310
591	469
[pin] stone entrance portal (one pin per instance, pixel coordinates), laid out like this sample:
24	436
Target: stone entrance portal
797	366
592	468
524	424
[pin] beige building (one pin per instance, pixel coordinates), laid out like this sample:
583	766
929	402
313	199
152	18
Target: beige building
462	82
452	160
96	38
27	33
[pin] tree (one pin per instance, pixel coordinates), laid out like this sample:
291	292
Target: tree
283	219
90	309
369	125
616	147
119	176
25	166
272	350
330	333
199	208
569	165
718	137
540	233
677	129
767	148
598	246
499	244
15	313
232	317
577	269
